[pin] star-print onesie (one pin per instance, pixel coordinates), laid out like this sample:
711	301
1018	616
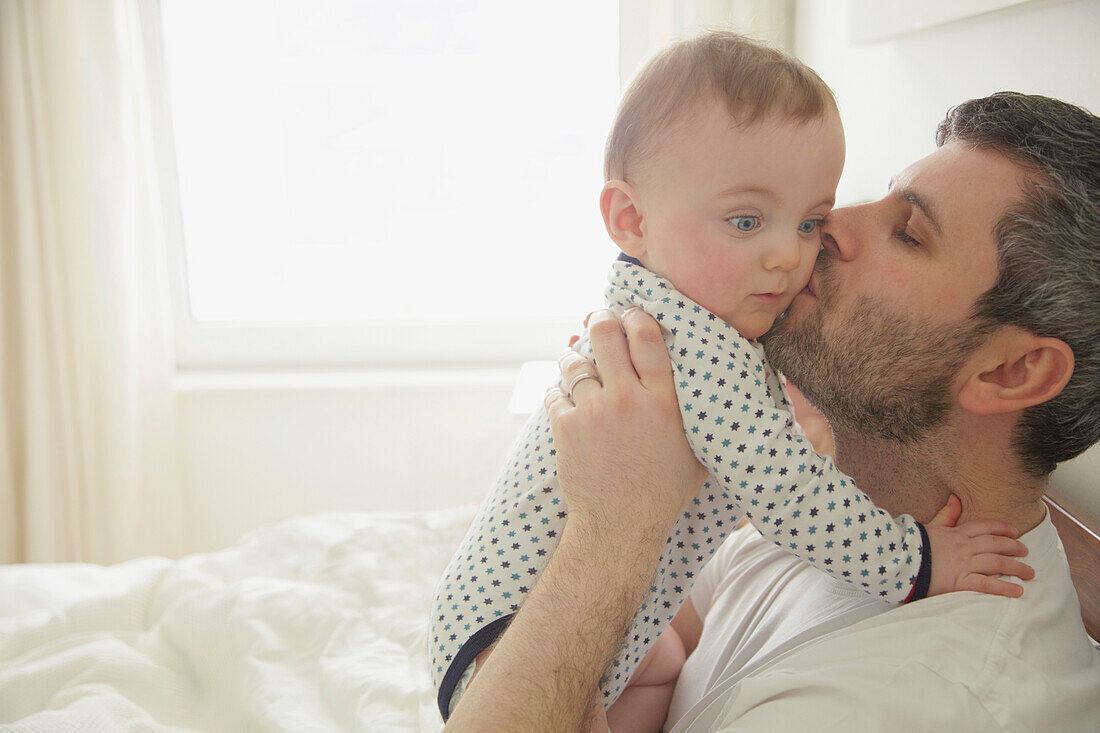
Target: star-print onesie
740	425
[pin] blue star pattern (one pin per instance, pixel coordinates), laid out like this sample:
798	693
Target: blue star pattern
740	426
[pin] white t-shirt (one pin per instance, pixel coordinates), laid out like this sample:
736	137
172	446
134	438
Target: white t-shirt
786	647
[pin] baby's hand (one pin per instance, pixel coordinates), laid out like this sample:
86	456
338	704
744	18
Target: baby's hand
965	557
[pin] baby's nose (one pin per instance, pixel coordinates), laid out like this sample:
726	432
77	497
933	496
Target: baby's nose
786	254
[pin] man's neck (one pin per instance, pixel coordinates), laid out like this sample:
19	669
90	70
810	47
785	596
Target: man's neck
917	479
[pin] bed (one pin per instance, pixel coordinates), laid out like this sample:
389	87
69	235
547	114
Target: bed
315	624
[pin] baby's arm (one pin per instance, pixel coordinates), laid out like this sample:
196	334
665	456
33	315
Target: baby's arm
964	557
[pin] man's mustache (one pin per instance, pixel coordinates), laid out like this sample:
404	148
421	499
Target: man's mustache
825	286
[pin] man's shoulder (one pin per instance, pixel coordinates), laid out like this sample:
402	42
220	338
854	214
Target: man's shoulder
945	663
988	661
973	638
953	639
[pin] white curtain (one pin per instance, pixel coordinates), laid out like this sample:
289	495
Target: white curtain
89	464
646	26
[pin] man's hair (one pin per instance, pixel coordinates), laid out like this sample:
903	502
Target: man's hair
755	81
1048	280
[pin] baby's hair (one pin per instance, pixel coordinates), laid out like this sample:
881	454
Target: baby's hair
754	80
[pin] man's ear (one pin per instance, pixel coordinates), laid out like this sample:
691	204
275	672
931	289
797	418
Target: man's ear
623	219
1014	371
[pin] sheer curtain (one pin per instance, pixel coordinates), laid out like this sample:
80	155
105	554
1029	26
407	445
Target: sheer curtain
89	464
648	25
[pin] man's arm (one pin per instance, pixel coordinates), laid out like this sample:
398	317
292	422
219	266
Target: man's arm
626	470
544	671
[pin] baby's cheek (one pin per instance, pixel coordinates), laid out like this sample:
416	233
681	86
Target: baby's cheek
712	271
801	277
798	277
715	284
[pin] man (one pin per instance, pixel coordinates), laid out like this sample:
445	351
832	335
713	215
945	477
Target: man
951	335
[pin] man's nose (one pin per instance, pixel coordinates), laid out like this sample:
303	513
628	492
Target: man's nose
842	232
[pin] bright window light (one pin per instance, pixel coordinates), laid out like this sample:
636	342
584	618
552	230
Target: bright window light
421	161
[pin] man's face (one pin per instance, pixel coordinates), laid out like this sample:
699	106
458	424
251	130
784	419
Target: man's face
878	336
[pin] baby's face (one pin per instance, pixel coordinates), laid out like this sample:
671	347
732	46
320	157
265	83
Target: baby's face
730	215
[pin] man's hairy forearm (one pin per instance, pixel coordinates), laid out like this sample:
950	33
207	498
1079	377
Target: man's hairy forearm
544	671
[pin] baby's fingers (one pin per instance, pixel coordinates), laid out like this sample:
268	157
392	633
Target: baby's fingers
949	514
995	545
992	586
1000	565
989	526
981	568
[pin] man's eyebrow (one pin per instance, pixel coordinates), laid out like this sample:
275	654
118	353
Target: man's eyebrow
921	203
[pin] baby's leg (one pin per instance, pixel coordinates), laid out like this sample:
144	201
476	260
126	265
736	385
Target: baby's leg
643	704
596	721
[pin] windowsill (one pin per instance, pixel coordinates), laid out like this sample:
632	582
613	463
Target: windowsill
202	347
271	380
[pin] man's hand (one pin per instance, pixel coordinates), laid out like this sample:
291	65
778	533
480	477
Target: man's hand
626	470
965	557
624	463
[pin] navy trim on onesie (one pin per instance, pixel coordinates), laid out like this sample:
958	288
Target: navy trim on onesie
478	643
924	575
624	257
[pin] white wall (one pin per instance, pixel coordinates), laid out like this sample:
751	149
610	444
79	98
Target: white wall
259	448
893	92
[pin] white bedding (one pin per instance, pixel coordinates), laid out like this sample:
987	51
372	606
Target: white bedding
316	624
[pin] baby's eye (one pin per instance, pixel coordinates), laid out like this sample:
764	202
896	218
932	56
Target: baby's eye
745	223
809	225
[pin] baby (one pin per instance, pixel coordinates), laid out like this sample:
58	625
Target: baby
722	163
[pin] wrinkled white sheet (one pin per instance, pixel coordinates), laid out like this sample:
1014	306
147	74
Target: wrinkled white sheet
316	624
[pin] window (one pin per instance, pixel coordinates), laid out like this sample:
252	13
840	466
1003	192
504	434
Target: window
394	181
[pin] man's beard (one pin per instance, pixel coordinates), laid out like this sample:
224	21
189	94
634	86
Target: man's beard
876	373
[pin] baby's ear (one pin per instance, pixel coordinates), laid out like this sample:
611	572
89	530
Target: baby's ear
1016	370
622	217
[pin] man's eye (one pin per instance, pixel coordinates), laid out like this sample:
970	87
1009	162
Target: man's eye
809	225
903	235
745	223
